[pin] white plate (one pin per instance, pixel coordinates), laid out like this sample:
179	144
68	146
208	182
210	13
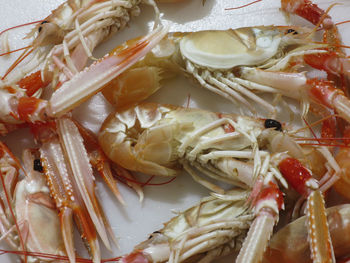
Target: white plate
133	223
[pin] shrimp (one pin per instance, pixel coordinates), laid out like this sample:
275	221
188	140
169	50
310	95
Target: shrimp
29	219
239	65
290	244
70	147
72	185
18	107
67	169
213	228
63	42
250	153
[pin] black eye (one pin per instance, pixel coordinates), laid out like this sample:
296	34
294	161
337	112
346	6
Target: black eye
290	30
37	166
155	232
270	123
40	28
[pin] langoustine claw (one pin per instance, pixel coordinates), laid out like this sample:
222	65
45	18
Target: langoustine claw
290	244
70	177
63	42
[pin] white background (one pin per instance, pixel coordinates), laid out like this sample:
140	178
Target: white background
133	223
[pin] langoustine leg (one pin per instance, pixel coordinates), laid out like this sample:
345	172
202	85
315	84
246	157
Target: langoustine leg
213	228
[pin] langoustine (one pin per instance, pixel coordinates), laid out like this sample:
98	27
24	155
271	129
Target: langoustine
74	197
159	139
336	64
85	207
241	64
29	221
214	227
66	38
18	107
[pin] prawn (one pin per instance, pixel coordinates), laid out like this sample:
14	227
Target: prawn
63	42
29	219
73	196
70	147
214	227
19	107
250	153
240	64
66	166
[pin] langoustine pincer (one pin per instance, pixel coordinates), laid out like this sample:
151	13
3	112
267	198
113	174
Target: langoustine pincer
62	44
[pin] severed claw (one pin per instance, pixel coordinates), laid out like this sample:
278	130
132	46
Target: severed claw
73	92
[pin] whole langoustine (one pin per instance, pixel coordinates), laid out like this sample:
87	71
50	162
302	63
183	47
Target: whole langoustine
241	64
251	153
72	184
237	64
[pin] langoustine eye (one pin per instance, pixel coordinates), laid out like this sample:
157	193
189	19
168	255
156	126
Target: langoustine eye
40	27
291	31
270	123
37	166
